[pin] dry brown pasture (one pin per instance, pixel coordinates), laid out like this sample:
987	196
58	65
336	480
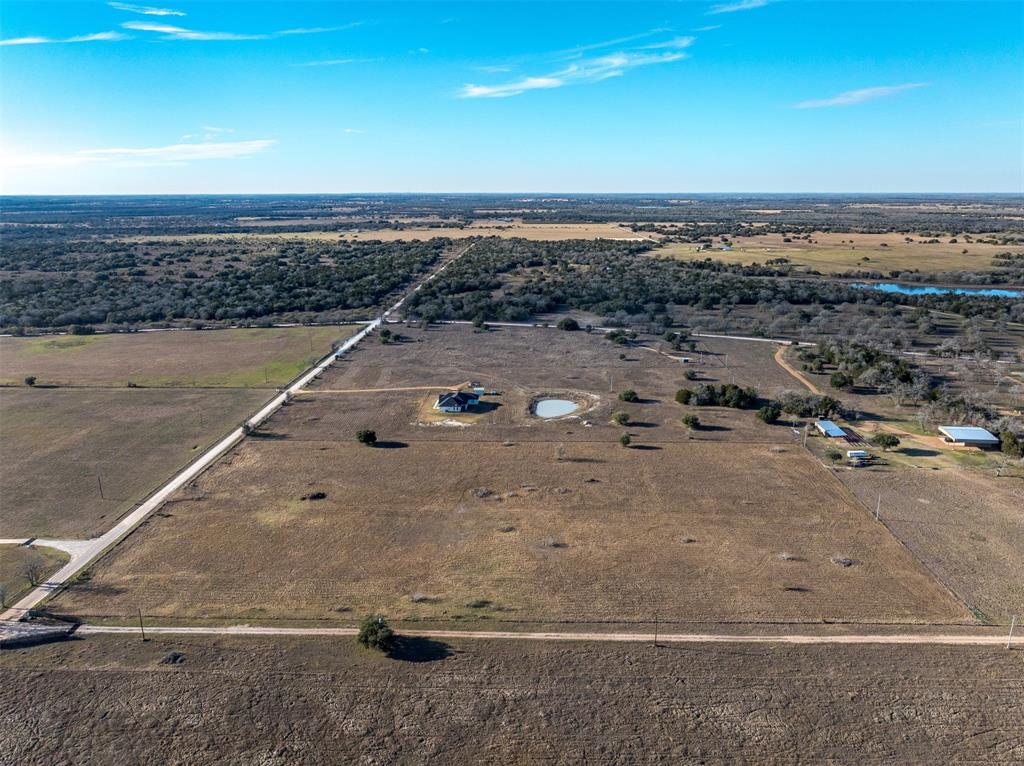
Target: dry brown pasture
964	523
508	517
56	441
322	700
843	251
246	357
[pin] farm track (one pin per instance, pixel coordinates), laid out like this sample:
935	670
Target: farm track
781	359
987	639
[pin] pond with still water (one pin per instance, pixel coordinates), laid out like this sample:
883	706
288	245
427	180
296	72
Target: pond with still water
554	408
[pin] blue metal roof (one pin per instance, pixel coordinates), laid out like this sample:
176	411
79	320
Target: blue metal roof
968	433
829	428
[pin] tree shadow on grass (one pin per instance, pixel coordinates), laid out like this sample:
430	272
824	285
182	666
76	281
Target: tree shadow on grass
418	649
644	447
916	452
390	445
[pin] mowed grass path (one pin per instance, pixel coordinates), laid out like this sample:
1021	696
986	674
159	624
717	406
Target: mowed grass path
237	358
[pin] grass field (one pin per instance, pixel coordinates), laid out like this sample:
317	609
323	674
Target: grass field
512	517
840	252
56	442
12	581
258	357
321	700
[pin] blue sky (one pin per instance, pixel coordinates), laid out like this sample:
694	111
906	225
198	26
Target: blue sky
275	97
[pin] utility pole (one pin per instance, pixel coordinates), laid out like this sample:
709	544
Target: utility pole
99	482
1013	623
878	507
141	628
655	628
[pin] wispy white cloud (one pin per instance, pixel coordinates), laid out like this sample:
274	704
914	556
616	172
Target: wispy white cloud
175	154
742	5
586	70
618	41
92	38
170	32
146	10
708	28
859	96
354	131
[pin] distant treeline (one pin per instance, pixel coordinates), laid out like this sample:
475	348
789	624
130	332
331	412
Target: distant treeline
55	287
515	279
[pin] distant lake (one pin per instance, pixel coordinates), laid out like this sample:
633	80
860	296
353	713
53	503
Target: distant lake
892	287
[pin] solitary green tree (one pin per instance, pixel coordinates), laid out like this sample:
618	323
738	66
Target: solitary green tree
620	418
624	440
629	395
367	437
769	413
30	380
374	633
691	421
885	441
568	323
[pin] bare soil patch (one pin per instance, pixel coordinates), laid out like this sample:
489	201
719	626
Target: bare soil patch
311	701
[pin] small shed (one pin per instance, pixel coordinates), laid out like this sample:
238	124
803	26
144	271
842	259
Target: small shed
969	436
829	429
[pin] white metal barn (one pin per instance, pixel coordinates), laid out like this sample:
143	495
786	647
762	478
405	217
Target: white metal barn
969	436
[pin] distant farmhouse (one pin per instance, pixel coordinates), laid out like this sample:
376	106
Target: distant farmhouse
457	401
969	436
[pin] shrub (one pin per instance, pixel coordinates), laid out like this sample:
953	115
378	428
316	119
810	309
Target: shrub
691	421
367	437
1012	444
769	413
620	418
834	455
683	395
385	336
885	441
30	380
374	633
841	381
629	395
690	374
624	440
568	323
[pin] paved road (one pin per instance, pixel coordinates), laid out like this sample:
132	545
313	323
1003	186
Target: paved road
85	552
987	639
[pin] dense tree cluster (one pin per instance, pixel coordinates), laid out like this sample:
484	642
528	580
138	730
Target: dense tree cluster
83	287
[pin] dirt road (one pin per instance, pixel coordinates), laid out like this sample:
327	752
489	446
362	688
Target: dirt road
781	359
986	639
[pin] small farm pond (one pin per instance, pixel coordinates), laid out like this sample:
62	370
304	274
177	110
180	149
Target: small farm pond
554	408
